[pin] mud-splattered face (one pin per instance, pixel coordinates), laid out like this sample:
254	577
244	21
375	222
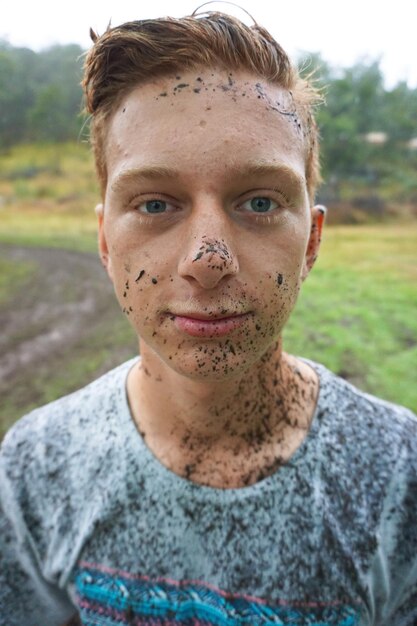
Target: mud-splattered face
206	230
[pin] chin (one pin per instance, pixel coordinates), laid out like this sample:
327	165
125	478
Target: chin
208	363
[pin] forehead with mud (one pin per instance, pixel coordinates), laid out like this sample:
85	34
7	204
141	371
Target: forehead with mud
206	83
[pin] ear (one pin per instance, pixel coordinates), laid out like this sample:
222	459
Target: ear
102	241
318	214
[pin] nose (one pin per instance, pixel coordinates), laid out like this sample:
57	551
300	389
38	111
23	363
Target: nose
208	261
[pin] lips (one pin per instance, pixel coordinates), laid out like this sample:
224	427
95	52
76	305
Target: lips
202	325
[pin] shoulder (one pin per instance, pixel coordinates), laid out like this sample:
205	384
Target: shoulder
363	416
54	481
367	447
61	439
366	453
77	407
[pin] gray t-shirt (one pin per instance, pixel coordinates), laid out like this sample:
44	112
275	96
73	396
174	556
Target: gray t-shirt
92	519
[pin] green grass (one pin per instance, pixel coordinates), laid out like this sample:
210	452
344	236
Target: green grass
45	228
47	196
357	311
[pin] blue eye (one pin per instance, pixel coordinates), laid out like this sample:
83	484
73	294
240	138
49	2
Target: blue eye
153	206
260	204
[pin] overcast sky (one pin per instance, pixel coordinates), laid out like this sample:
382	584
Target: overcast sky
343	32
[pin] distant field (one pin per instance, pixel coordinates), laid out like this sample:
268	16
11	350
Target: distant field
356	313
47	196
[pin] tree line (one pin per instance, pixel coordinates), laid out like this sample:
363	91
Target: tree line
40	94
367	130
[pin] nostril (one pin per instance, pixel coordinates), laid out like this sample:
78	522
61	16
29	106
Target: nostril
208	261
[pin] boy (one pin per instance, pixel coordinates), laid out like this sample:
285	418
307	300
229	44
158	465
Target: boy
217	479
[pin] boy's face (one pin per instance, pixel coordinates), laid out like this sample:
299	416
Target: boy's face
206	230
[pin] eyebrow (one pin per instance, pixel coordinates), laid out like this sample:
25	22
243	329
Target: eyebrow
250	170
151	172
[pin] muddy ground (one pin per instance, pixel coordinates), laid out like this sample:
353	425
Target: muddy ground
60	330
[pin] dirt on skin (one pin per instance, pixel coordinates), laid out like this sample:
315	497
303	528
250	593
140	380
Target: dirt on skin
66	308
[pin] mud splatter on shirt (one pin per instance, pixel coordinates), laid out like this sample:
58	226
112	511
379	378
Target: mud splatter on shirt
92	520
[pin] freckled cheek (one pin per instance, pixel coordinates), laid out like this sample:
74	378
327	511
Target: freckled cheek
277	294
139	306
140	298
127	291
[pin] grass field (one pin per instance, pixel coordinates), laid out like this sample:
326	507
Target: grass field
356	313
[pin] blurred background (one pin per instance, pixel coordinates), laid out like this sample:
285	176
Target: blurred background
60	324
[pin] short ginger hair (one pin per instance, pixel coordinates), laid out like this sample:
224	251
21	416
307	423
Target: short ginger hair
135	52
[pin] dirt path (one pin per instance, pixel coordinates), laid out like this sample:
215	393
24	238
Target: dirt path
66	302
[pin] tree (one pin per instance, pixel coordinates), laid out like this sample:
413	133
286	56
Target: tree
40	95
